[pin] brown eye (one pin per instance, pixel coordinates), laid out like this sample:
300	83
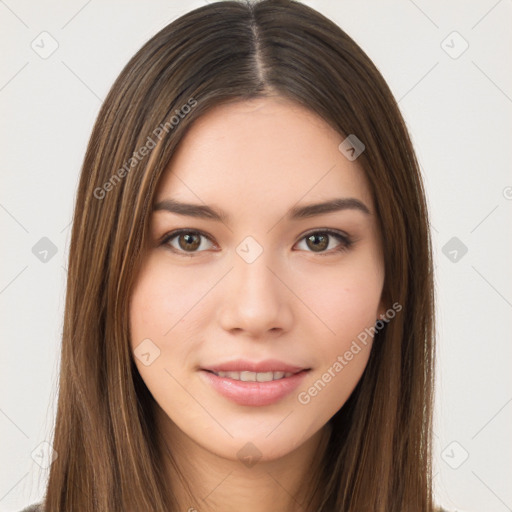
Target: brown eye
188	241
320	241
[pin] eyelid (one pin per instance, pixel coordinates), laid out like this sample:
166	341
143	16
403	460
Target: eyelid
346	240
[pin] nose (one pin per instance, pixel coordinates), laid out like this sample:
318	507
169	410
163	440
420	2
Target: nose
254	299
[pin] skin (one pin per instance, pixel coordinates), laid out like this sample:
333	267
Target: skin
255	160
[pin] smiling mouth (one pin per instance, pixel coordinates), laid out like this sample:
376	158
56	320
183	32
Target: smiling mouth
250	388
247	376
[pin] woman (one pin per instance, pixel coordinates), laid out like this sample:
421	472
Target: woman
249	318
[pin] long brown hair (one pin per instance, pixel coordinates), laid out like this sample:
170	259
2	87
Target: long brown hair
379	456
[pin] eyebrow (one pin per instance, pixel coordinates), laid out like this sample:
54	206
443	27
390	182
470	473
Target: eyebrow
295	213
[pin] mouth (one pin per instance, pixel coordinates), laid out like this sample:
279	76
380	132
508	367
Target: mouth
254	386
247	376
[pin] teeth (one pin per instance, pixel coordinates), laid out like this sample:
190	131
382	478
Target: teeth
250	376
247	376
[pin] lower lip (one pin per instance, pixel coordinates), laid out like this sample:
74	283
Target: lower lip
254	393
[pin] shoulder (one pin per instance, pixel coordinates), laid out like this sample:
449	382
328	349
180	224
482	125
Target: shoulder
35	507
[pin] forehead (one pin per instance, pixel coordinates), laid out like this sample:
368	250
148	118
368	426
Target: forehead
264	151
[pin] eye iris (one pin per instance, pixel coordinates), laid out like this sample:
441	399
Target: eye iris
314	238
190	244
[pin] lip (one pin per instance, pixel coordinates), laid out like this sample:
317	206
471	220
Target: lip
268	365
255	394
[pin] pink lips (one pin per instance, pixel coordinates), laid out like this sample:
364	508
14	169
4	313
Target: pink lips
269	365
254	393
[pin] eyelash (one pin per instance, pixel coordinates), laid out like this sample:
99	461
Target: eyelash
346	241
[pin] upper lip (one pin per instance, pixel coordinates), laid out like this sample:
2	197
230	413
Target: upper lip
268	365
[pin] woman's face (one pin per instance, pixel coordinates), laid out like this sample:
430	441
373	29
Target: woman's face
259	284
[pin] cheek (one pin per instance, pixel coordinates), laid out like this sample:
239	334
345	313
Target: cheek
162	300
342	353
346	300
347	303
349	314
157	314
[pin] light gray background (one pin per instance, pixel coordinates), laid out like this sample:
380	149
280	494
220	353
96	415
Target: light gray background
458	109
